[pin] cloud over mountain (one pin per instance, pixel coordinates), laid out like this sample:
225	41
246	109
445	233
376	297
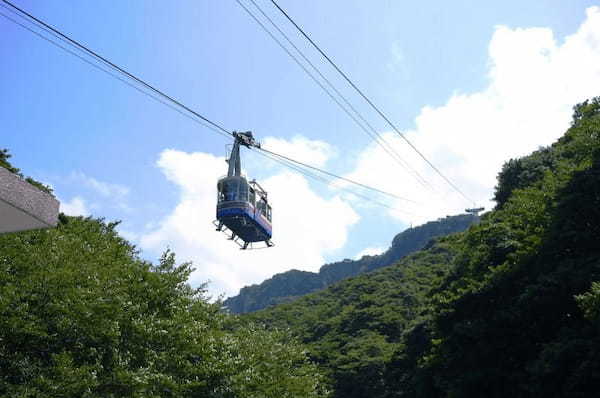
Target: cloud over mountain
300	242
533	82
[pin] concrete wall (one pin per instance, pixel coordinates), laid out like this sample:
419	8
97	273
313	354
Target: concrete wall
23	206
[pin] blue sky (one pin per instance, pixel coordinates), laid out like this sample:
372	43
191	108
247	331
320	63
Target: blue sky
427	64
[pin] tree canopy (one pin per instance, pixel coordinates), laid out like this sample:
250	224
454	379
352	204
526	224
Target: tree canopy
509	307
81	315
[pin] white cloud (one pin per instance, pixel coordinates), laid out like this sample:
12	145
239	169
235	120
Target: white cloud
397	62
74	207
369	251
314	152
102	188
534	81
115	195
306	226
127	234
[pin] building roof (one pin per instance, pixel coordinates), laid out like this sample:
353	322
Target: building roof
23	206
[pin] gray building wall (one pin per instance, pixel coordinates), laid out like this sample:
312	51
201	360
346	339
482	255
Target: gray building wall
23	206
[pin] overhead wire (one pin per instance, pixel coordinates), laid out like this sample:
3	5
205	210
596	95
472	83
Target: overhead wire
371	132
116	67
111	74
363	95
317	177
348	180
165	98
327	182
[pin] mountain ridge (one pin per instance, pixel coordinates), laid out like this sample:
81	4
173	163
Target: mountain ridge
509	307
288	286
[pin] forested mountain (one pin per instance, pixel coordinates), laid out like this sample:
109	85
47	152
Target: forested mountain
81	315
290	285
355	326
508	308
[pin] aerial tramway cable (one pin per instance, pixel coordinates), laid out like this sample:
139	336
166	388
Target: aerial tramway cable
371	131
123	80
174	104
328	182
362	94
337	176
114	66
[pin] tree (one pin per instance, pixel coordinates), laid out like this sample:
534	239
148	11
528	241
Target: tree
81	315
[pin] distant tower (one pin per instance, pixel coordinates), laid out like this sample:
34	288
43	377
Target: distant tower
475	211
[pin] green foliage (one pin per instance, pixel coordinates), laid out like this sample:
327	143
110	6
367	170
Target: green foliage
4	156
506	322
291	285
353	328
511	307
81	315
4	162
589	303
586	110
521	173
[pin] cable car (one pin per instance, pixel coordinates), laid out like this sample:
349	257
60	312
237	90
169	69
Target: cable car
243	209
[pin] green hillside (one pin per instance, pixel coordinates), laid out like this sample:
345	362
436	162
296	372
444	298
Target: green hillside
511	307
290	285
354	327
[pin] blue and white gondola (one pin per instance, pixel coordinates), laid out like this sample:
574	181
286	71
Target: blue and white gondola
243	210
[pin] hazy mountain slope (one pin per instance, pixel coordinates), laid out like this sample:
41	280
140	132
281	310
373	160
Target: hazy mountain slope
510	307
288	286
